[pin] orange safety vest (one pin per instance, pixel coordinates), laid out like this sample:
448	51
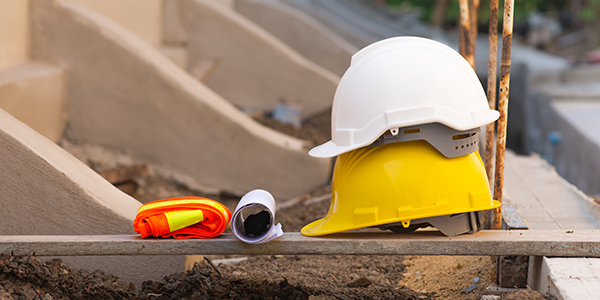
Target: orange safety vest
182	218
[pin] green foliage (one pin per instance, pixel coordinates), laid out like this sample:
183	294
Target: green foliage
521	10
589	13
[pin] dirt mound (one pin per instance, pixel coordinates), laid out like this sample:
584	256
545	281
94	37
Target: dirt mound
286	277
30	278
261	277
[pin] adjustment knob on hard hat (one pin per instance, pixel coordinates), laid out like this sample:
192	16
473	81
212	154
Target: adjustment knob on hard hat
400	82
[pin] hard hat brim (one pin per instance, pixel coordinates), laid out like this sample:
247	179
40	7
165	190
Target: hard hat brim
316	228
330	149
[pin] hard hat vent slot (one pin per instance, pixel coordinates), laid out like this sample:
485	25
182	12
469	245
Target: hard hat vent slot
409	131
463	136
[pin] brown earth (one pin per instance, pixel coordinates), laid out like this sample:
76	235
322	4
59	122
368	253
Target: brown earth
259	277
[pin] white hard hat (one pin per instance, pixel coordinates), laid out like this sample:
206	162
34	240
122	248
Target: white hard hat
400	82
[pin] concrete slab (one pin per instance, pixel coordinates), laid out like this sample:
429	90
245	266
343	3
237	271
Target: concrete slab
33	92
256	71
543	197
582	74
570	91
574	278
563	131
583	115
547	201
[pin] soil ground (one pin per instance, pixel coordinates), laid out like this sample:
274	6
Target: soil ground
259	277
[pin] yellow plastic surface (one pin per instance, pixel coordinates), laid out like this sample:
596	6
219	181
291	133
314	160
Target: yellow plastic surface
182	219
400	182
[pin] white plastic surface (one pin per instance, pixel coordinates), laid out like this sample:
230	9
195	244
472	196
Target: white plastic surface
255	200
400	82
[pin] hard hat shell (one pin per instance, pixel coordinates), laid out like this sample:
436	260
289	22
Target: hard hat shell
400	82
400	182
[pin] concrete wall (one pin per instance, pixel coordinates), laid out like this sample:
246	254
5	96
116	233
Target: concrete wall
301	32
33	92
123	94
553	132
255	69
142	17
30	91
14	32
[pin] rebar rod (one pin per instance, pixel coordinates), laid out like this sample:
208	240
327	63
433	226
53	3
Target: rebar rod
465	33
473	17
491	89
507	31
490	134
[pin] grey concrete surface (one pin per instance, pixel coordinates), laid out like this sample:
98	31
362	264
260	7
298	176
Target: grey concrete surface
544	199
563	130
301	32
547	201
584	116
255	70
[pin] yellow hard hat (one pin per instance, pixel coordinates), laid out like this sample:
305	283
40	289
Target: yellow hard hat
402	182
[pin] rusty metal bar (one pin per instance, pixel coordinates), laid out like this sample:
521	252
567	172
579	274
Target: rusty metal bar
473	16
465	33
507	32
491	128
491	89
490	134
564	243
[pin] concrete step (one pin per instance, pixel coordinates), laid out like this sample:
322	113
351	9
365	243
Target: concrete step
582	75
257	70
177	54
33	92
301	32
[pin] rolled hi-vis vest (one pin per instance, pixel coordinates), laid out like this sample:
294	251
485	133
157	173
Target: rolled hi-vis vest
182	218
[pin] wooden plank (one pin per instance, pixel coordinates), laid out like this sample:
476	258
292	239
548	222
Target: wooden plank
565	243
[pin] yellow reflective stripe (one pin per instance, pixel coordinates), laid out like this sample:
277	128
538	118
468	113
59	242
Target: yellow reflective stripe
183	201
182	219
